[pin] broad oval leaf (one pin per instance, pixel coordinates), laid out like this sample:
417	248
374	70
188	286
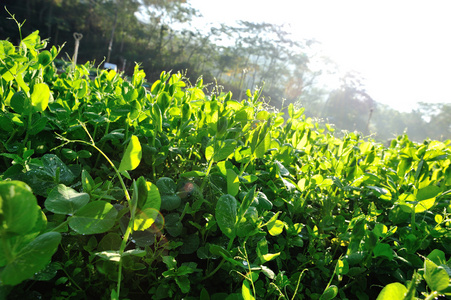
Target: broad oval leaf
95	217
20	103
329	293
170	202
166	186
233	182
19	208
225	214
392	291
65	200
31	259
275	227
40	96
132	155
436	276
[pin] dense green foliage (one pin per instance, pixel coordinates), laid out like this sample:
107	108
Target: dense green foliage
111	190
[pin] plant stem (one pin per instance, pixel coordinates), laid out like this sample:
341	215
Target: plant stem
229	246
432	296
412	221
204	182
71	280
28	129
121	251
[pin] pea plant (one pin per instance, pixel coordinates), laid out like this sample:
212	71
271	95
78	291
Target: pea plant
109	189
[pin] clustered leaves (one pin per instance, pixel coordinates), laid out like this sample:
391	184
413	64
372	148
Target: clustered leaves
228	199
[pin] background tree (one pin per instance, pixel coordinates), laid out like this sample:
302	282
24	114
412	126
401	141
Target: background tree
158	35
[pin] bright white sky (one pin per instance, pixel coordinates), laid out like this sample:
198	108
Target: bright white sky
401	48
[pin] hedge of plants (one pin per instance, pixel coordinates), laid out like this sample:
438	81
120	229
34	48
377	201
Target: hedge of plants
112	190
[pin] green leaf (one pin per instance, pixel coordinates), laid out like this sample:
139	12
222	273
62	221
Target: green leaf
170	202
437	256
95	217
204	295
221	126
233	182
30	259
109	255
145	218
226	214
87	182
384	250
170	262
45	57
195	174
263	146
40	97
173	225
157	116
153	197
163	101
209	152
219	251
37	125
132	155
183	283
392	291
436	276
269	256
330	293
54	165
19	208
247	223
247	201
275	227
428	192
20	103
226	148
65	200
246	291
166	186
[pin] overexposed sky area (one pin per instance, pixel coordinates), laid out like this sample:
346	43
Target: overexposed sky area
401	48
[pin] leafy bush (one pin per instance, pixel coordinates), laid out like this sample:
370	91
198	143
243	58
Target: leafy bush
112	190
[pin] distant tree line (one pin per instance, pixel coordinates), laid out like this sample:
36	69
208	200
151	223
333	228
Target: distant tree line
158	35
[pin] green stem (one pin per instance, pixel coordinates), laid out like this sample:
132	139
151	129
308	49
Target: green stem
297	286
71	280
28	129
229	246
432	296
204	182
412	220
11	136
245	167
103	143
153	164
127	234
60	226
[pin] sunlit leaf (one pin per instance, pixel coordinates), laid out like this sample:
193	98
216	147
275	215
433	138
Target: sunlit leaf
40	96
132	155
246	291
233	183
